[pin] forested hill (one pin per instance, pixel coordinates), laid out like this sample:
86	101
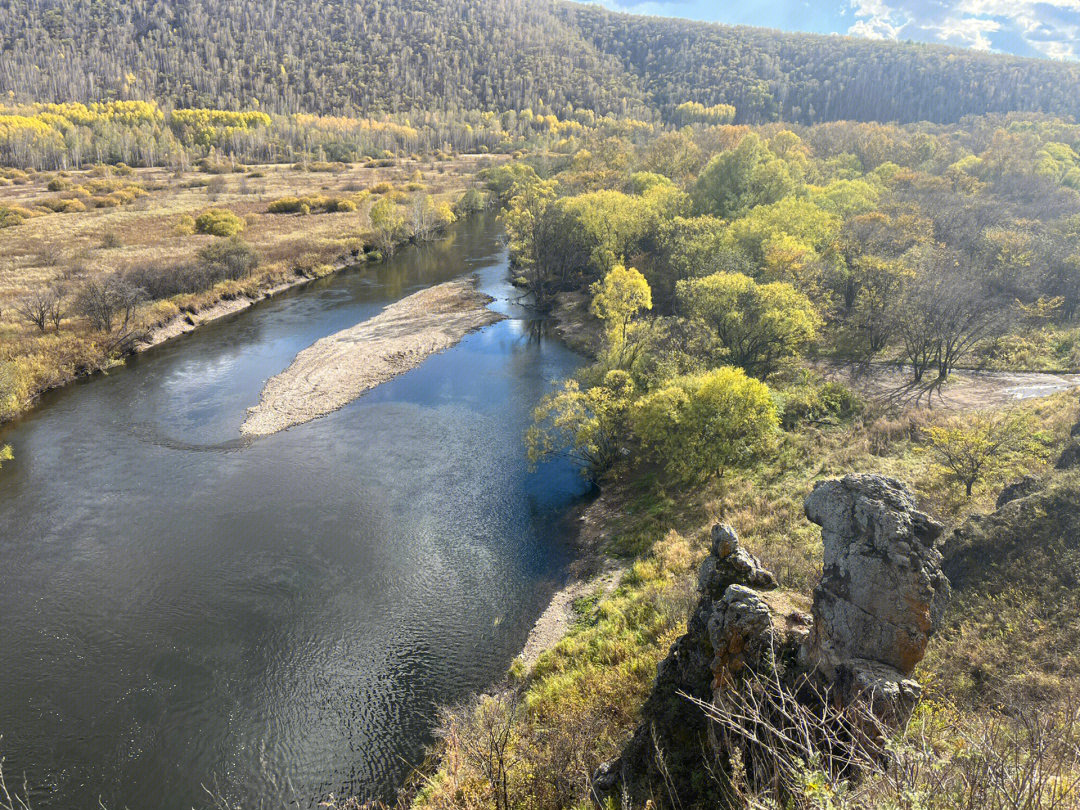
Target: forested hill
318	56
347	56
810	79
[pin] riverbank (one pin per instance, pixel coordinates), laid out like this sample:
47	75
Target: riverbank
337	369
153	243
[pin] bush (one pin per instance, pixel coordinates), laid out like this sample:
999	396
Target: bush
219	222
59	184
11	215
288	205
226	260
109	302
809	404
185	226
313	202
231	259
472	201
341	206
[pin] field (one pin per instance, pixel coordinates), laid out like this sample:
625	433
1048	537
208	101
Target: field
144	224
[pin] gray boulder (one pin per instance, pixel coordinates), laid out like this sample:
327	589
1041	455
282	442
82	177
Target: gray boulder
882	590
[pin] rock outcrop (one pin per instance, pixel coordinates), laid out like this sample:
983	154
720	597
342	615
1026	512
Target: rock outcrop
730	626
1018	489
882	591
880	599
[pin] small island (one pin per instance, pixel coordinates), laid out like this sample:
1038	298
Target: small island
335	370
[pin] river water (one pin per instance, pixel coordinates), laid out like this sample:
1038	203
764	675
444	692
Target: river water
276	620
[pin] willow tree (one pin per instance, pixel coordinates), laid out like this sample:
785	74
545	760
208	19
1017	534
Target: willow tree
699	426
755	326
617	299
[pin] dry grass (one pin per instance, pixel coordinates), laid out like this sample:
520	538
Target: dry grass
150	230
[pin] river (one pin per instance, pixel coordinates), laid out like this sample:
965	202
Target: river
275	619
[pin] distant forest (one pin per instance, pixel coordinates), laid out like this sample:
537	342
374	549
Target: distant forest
344	57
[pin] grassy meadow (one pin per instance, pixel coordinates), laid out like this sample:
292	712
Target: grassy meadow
109	221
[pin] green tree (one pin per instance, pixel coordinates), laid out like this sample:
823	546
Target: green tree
674	155
984	446
588	426
755	325
584	236
749	175
622	294
691	248
522	219
702	425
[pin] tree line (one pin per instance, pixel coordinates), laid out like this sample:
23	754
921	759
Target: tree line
72	135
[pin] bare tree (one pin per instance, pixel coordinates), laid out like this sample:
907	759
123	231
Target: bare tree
109	301
483	731
945	313
56	308
35	307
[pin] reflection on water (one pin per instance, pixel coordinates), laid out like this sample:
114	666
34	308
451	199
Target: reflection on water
279	617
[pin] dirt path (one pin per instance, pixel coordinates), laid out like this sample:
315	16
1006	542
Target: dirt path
966	390
334	371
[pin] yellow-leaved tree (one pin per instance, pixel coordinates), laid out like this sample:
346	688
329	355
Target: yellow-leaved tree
585	425
621	295
701	425
985	447
755	325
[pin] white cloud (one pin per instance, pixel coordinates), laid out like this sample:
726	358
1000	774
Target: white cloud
1045	27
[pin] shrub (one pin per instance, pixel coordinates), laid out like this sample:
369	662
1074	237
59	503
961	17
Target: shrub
11	215
13	390
110	240
223	260
59	206
219	222
288	205
810	404
231	259
59	183
185	226
472	201
108	302
216	186
341	206
382	188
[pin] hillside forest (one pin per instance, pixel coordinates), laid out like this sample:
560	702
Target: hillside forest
784	258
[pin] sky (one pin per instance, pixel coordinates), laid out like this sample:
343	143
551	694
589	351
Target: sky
1049	29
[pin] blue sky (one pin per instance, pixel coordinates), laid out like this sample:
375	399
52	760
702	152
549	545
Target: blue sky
1047	29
